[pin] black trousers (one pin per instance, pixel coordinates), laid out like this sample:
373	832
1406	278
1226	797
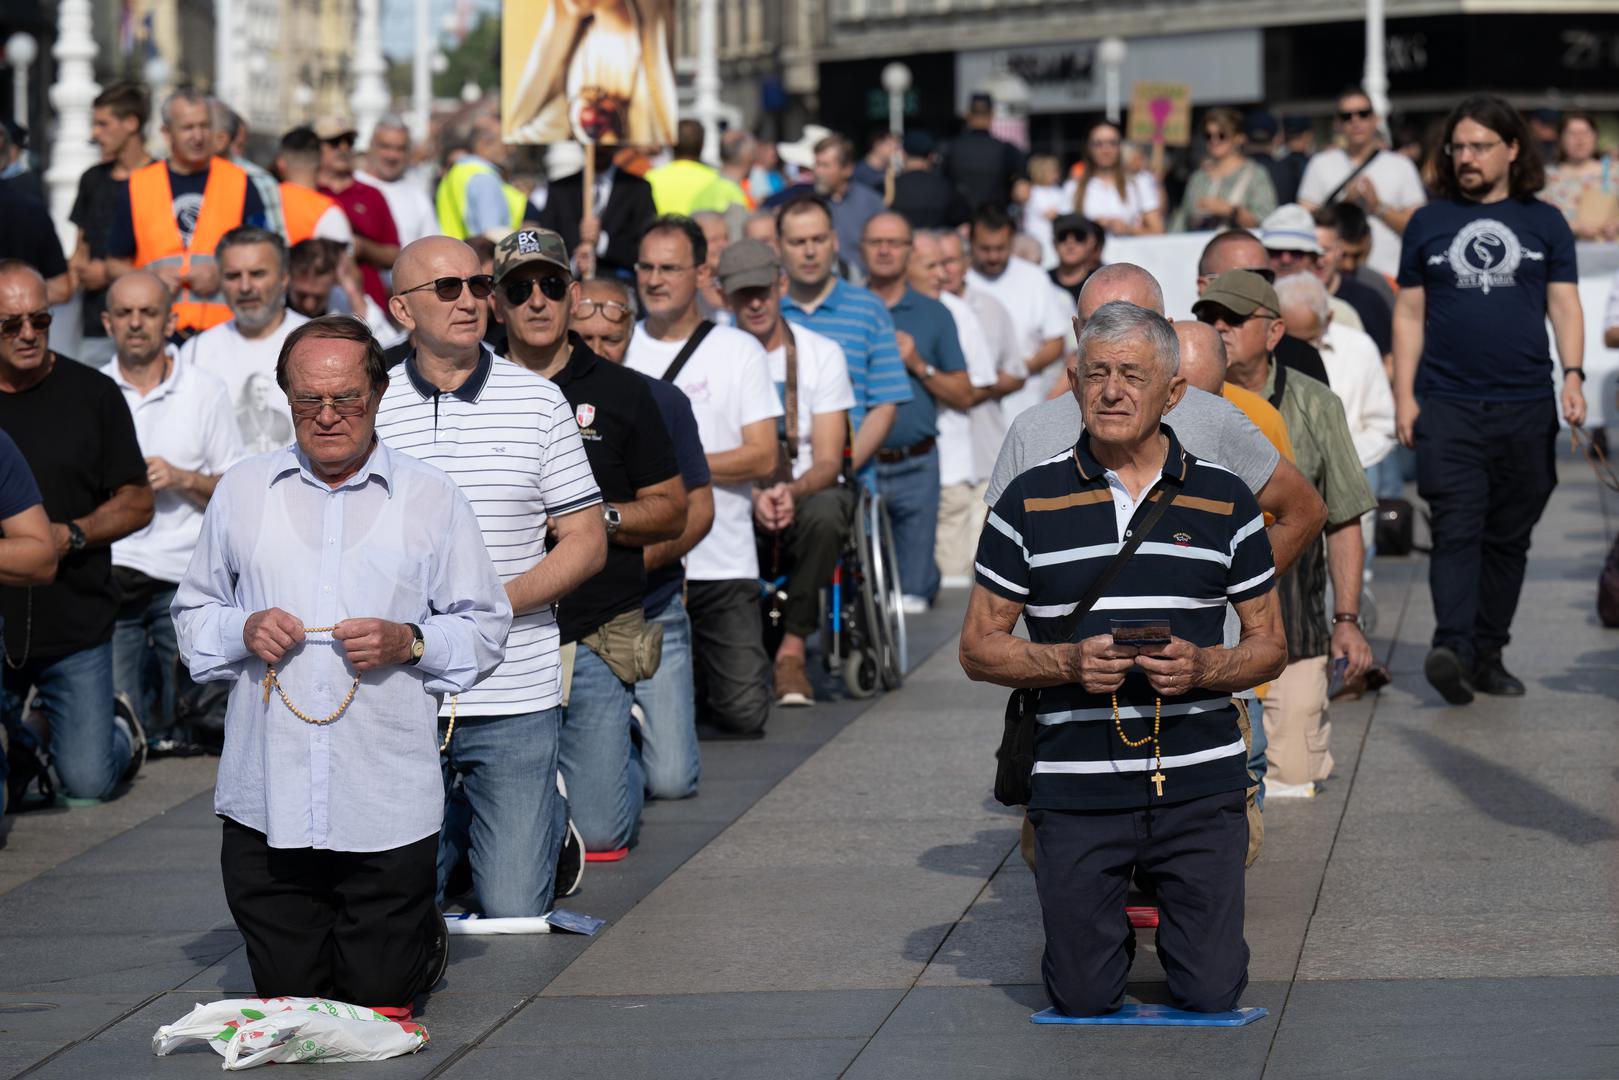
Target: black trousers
1192	852
1487	470
354	926
809	549
729	666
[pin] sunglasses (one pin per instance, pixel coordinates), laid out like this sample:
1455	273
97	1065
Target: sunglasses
612	310
518	290
1215	136
39	320
1210	315
1346	115
448	289
345	139
308	407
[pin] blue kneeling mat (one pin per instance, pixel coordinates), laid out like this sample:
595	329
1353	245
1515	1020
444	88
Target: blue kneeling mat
1156	1016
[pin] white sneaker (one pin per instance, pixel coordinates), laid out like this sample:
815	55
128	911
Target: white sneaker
1276	790
913	605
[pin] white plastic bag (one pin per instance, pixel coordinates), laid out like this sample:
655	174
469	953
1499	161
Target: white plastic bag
254	1031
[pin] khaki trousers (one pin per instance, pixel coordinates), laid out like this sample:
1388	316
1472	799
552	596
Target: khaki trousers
961	516
1296	724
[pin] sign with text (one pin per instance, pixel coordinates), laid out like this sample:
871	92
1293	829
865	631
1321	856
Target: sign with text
1161	112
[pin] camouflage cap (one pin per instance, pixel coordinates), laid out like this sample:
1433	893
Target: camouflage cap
527	246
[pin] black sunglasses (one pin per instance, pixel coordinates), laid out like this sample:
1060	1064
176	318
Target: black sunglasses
552	287
449	288
1346	115
39	320
1214	312
345	139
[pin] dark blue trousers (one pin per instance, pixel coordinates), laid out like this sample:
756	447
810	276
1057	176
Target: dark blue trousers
1486	470
1192	852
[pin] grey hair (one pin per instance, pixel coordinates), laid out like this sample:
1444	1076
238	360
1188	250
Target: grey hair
245	235
1305	290
391	122
623	290
224	118
1119	321
191	97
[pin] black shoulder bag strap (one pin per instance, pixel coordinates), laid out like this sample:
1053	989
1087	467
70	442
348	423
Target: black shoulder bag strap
1014	760
1281	385
687	349
1350	179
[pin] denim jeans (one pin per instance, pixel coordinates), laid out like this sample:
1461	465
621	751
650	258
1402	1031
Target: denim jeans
605	784
503	810
910	489
1256	754
145	663
669	755
88	751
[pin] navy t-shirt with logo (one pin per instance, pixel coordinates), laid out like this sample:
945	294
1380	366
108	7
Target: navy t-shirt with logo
1483	269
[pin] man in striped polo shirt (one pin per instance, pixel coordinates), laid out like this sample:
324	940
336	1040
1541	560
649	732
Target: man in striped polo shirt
1138	759
848	314
508	437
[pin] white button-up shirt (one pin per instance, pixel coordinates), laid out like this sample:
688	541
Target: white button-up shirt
396	541
187	420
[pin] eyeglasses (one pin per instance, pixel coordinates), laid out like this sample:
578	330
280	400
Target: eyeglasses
518	290
306	408
1215	136
612	310
448	289
1346	115
1470	149
39	320
661	269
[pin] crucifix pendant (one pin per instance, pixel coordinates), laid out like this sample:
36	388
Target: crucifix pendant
1157	779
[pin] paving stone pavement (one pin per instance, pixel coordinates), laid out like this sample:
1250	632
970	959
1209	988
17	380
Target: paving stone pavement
844	899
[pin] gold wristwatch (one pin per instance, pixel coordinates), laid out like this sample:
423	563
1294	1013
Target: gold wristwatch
417	644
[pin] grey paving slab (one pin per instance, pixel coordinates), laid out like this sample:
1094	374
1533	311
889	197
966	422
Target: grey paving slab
1467	1029
780	1059
1446	945
112	961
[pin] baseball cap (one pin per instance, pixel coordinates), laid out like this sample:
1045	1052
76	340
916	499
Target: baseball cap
919	143
1241	292
1296	125
1289	227
334	125
980	103
747	264
1260	122
528	246
1072	223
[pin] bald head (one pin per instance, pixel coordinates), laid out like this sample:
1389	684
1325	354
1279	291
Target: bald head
1202	355
447	329
431	257
1120	281
139	287
1236	249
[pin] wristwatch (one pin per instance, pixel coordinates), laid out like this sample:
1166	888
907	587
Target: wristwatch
928	371
75	537
612	519
1575	371
417	644
1345	616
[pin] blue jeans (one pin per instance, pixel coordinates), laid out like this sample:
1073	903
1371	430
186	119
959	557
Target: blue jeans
910	489
502	808
1256	753
669	755
145	663
88	751
605	784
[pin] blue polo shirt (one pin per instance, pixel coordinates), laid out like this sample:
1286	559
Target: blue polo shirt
931	324
855	319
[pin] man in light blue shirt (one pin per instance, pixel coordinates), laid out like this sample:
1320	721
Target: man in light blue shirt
343	587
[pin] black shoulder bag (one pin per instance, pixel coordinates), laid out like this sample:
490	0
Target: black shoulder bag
1014	760
686	350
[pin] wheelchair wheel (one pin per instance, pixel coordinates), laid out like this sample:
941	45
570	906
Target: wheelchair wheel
886	612
862	673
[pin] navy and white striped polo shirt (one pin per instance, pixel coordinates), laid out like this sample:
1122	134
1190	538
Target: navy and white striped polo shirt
508	438
1051	534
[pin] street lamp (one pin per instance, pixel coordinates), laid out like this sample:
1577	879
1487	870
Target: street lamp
157	74
896	79
21	52
1112	52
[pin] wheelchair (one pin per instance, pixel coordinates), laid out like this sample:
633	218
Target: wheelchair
862	636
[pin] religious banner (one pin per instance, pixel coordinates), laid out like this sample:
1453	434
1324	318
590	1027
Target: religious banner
1161	113
589	71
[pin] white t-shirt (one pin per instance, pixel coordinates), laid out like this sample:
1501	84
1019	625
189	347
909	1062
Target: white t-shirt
728	382
957	464
1045	200
823	385
247	368
333	224
1039	312
987	421
1102	198
186	420
1398	185
1355	372
412	210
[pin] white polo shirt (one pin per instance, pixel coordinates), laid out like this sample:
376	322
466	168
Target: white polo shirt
957	463
508	438
187	421
728	382
823	385
1038	315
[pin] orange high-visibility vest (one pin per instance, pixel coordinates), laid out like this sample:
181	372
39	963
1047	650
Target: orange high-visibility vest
301	209
157	235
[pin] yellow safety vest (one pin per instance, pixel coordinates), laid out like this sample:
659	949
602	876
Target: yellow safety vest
452	197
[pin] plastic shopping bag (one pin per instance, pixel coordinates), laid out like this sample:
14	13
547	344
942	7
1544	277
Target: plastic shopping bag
254	1031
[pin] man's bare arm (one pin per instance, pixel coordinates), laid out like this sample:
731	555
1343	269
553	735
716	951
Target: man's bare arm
754	460
1298	509
27	555
699	519
1048	353
873	430
826	454
657	514
581	551
129	510
991	653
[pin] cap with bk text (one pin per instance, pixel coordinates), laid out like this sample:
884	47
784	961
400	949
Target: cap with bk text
1241	292
747	264
528	246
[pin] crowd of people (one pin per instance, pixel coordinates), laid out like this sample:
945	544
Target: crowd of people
345	447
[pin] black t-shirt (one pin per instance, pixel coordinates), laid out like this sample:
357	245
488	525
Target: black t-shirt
93	211
628	449
186	190
26	233
1072	290
982	167
1484	269
928	201
76	434
1375	315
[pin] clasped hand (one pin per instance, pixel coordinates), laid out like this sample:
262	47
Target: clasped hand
367	643
1099	665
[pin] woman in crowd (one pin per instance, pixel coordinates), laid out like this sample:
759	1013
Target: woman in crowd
1229	188
1046	202
1123	203
1581	183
